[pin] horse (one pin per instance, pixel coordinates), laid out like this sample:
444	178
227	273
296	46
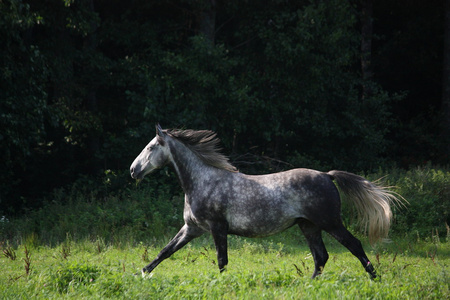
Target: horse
220	200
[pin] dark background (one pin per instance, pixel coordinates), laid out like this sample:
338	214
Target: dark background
337	84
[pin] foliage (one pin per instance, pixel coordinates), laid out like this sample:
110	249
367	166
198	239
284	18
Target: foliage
22	97
427	191
82	84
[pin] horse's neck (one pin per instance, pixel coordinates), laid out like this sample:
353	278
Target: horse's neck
189	168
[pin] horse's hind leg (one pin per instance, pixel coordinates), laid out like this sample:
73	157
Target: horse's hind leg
347	239
313	235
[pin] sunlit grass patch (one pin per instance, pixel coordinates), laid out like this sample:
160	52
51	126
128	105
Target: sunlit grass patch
258	269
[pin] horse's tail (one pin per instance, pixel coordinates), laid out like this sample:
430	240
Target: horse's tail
373	202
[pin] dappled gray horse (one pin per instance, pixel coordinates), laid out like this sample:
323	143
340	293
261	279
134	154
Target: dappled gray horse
221	201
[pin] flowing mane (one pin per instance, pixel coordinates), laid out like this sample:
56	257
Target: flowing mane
205	144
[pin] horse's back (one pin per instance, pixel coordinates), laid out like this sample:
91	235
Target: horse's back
306	183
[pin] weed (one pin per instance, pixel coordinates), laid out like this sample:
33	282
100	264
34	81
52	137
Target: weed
9	252
432	255
448	232
27	261
304	266
145	255
100	245
395	256
65	250
299	272
11	279
206	254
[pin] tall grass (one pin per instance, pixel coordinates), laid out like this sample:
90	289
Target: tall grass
427	190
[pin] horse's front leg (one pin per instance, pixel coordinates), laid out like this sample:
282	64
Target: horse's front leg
184	236
219	232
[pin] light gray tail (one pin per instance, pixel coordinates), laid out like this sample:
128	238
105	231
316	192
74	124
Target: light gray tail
373	202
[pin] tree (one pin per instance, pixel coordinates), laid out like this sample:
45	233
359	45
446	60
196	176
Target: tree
366	45
407	58
23	107
207	19
446	82
300	81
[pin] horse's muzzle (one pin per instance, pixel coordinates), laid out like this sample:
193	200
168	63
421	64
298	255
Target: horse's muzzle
135	172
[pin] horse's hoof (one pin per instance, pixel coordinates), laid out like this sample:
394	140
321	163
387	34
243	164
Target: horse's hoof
376	278
143	274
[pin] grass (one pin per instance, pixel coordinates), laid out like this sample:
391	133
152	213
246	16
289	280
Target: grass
274	268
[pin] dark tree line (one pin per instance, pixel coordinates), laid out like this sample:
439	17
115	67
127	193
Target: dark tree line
327	84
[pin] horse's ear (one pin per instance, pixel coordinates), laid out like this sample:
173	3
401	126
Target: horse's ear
160	135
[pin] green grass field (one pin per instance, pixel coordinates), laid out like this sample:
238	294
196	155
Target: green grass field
272	268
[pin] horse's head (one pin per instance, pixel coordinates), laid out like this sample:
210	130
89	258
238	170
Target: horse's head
152	157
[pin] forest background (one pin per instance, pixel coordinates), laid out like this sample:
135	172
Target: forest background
337	84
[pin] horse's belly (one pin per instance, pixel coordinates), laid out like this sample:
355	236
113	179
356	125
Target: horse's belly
258	227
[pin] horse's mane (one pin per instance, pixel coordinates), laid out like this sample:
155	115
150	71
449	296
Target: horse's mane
205	144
